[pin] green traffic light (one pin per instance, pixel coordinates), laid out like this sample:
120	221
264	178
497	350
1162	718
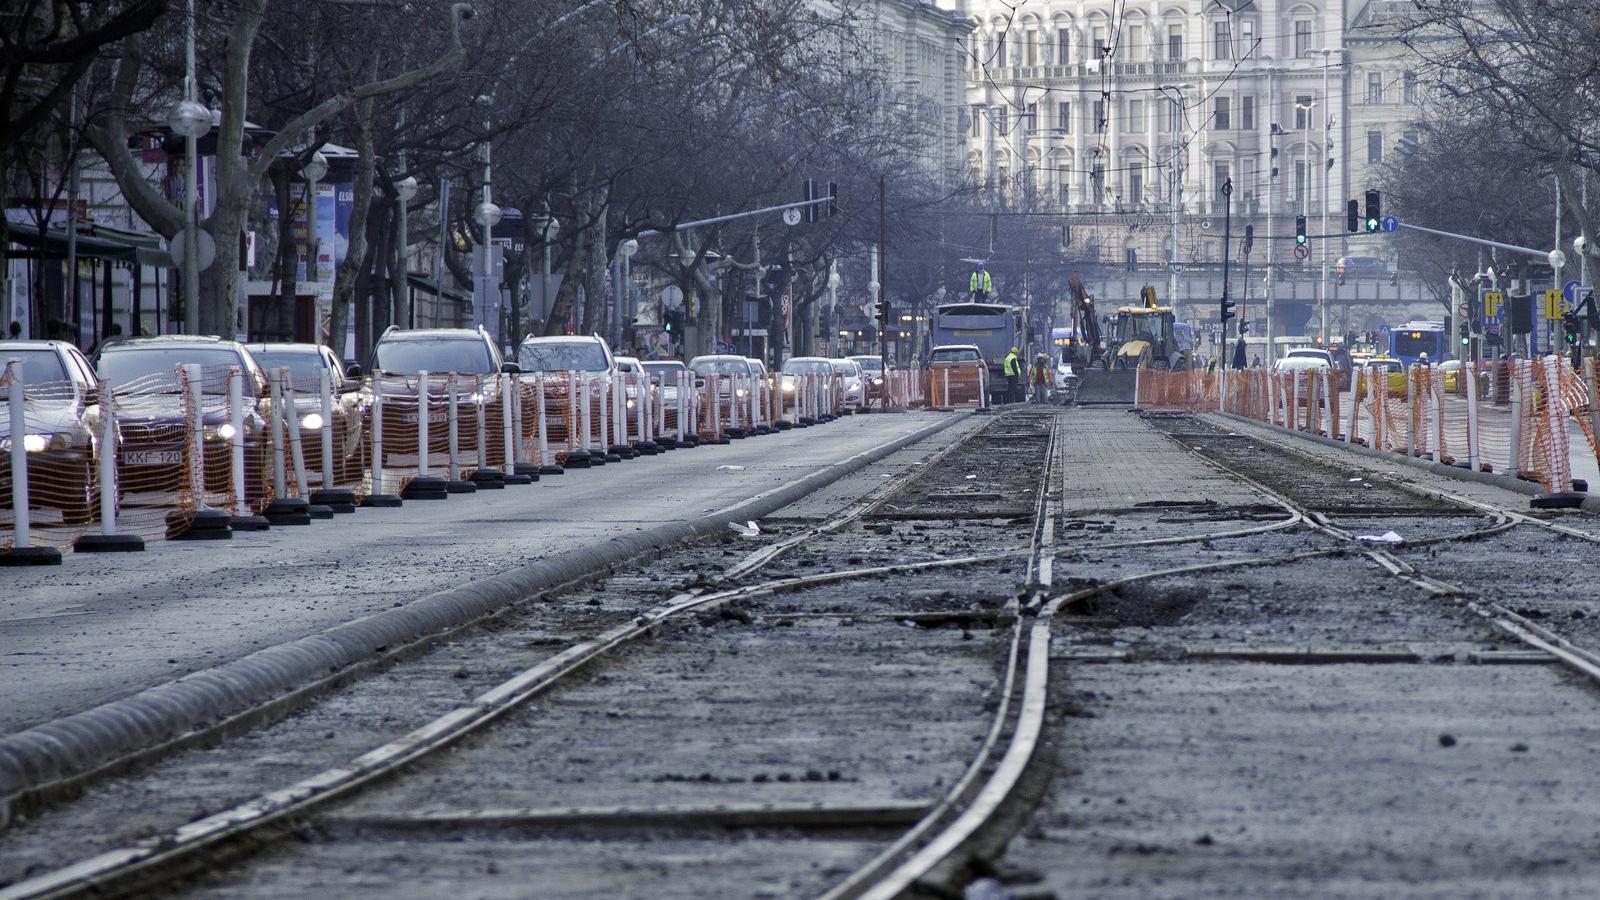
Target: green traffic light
1299	239
1465	341
1372	225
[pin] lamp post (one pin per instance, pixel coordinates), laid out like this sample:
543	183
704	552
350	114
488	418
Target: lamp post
547	237
402	312
315	170
1327	167
191	120
625	252
1176	94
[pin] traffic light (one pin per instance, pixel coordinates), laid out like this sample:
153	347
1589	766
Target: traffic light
1569	328
1300	231
1249	238
1340	270
1373	212
1227	312
1244	327
1352	217
883	312
1466	336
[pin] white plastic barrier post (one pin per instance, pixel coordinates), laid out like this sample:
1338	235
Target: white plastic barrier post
236	439
377	435
1555	412
944	387
280	480
1354	408
605	416
325	389
510	400
685	399
483	424
296	450
1411	410
583	423
545	457
641	410
1469	371
197	445
22	537
1435	401
1295	382
423	456
453	419
1514	462
755	403
108	462
714	387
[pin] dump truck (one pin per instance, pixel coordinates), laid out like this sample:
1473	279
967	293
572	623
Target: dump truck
994	328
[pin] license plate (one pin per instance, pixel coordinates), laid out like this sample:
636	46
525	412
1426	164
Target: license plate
435	417
151	457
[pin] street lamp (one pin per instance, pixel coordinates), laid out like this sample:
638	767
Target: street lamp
1174	182
620	296
314	170
401	312
191	120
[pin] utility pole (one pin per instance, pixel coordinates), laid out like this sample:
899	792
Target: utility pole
1327	166
883	284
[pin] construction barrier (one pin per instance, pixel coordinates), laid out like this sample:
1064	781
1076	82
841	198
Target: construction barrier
1520	417
956	384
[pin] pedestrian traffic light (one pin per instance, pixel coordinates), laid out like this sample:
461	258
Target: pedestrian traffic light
1227	312
1300	230
1373	213
883	312
1569	328
1352	217
1466	336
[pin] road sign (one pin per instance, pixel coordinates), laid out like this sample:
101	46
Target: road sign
1301	251
1492	301
1575	291
1552	303
1389	224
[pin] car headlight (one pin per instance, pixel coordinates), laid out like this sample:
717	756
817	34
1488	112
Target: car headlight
225	431
630	404
312	422
740	392
877	381
31	443
788	387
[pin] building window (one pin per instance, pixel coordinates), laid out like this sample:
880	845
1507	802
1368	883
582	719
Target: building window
1000	50
1064	117
1063	46
1099	43
1247	38
1374	147
1136	183
1374	87
1302	112
1031	48
1408	87
1248	189
1135	121
1221	40
1220	120
1174	117
1033	116
1097	184
1247	112
1100	121
1001	121
1174	42
977	121
1219	175
1302	37
1301	171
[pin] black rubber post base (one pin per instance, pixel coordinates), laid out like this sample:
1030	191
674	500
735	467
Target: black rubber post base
109	543
460	487
620	450
578	461
1581	485
488	479
248	523
514	478
552	470
648	448
288	511
735	433
784	425
531	470
31	556
613	457
1558	500
428	487
319	511
382	501
667	443
690	440
208	525
341	500
597	458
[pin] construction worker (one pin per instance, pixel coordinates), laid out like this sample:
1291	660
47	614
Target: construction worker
1041	379
981	285
1012	367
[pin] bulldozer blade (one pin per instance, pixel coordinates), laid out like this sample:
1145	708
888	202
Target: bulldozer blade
1107	386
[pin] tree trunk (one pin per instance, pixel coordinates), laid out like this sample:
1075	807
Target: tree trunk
596	271
283	317
356	255
567	295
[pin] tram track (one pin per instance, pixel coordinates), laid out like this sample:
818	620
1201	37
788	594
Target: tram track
214	839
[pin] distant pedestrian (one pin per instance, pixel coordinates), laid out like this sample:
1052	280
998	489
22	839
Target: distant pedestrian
1255	362
1041	379
15	330
1012	368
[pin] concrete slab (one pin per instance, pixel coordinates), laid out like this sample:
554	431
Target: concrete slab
104	627
1113	460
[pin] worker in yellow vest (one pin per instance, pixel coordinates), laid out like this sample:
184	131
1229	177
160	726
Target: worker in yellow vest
981	284
1012	368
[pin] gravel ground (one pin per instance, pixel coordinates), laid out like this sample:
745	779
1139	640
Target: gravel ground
849	693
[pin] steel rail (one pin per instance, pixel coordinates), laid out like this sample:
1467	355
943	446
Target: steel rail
115	870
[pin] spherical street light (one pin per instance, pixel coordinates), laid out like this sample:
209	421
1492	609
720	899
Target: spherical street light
189	119
488	214
317	168
407	187
1578	243
628	248
834	280
1557	259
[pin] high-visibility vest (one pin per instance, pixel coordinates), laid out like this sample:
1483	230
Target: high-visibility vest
981	281
1012	365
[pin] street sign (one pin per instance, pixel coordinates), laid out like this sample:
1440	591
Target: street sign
1575	291
1492	301
1552	303
1301	251
1389	224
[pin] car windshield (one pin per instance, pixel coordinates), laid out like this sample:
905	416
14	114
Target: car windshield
121	366
562	356
955	354
466	355
873	364
720	367
661	368
844	368
1308	354
37	366
806	367
624	365
1416	343
304	367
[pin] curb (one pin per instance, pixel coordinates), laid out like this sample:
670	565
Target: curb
39	760
1504	482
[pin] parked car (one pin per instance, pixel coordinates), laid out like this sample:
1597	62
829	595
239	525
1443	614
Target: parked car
873	374
853	382
791	376
306	364
559	354
400	355
62	427
665	372
153	419
953	353
730	367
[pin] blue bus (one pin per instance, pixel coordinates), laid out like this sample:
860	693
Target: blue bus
1408	342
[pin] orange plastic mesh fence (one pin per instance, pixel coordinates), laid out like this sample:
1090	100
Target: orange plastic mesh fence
57	451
